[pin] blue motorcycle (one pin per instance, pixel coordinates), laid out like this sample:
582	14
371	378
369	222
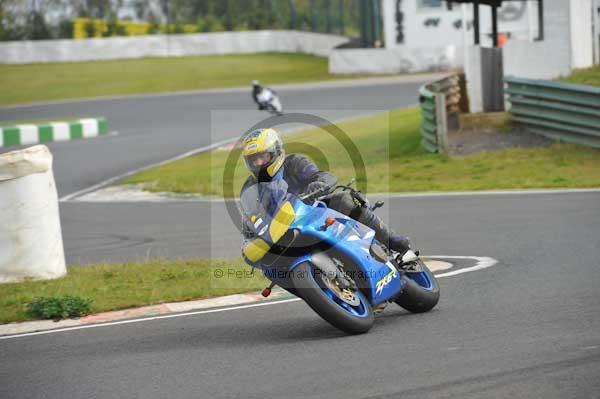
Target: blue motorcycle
328	259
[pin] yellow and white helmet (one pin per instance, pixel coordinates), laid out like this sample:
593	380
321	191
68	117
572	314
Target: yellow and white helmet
263	153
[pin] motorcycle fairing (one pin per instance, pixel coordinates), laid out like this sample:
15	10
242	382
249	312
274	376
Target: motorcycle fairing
353	240
273	215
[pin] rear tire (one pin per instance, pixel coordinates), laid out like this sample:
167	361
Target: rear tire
315	294
421	292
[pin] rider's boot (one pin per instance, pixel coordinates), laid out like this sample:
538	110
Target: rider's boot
383	233
380	308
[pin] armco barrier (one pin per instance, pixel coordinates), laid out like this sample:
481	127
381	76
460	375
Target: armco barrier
52	131
561	111
438	100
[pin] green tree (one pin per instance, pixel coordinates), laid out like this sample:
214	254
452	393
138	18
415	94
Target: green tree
10	28
113	27
154	26
98	9
90	29
37	29
65	29
209	23
3	33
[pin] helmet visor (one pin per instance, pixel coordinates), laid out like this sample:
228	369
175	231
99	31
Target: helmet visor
256	162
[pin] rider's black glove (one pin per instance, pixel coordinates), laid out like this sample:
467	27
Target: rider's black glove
316	186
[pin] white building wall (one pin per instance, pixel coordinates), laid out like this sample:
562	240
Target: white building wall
473	78
383	60
424	27
433	37
567	43
581	37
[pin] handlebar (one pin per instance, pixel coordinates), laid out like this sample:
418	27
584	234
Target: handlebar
316	193
322	192
325	191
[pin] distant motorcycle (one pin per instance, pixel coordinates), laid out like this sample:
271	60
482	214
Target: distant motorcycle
267	99
330	260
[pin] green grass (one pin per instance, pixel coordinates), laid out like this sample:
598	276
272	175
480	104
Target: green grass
390	146
496	120
121	286
588	76
45	82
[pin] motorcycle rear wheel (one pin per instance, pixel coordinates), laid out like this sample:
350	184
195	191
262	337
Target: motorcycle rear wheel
329	305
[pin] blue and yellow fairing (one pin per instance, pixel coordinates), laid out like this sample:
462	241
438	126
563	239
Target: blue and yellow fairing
346	236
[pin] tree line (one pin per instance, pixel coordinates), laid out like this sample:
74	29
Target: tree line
54	19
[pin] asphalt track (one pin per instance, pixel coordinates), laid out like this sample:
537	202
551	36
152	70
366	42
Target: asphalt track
154	128
529	327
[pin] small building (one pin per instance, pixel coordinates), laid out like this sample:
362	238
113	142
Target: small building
426	35
541	38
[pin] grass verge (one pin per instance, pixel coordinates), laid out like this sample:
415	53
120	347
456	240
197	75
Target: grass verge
588	76
121	286
389	144
56	81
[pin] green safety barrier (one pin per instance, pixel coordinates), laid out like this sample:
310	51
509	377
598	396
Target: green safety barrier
561	111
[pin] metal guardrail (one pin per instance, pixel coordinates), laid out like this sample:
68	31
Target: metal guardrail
428	119
561	111
438	100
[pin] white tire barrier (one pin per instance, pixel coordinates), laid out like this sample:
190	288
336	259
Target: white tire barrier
30	235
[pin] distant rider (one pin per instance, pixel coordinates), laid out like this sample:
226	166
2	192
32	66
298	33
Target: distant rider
261	95
265	159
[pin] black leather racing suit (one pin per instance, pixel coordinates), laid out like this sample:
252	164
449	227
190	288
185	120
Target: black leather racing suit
256	90
299	171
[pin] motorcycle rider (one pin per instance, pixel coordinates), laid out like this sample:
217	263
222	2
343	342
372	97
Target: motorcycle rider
259	94
266	160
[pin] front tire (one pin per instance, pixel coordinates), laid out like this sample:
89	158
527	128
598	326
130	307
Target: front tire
324	301
421	292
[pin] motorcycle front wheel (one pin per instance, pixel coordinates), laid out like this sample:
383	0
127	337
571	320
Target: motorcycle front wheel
346	310
421	292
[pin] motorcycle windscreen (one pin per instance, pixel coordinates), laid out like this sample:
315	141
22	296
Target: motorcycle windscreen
267	210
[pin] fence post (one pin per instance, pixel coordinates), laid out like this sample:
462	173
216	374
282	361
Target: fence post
440	121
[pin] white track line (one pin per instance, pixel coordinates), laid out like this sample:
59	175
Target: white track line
485	193
133	172
175	198
190	153
483	262
168	316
